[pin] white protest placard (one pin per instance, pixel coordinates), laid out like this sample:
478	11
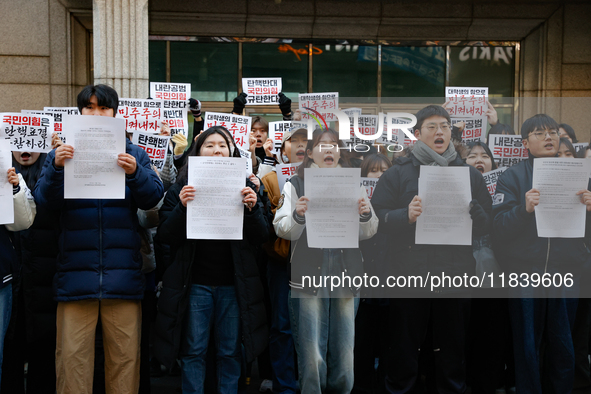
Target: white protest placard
507	150
319	102
248	156
142	115
560	212
93	172
6	200
175	96
398	135
370	185
284	172
217	211
474	128
238	125
332	218
261	91
276	132
466	102
57	120
27	133
156	146
445	197
491	178
63	110
580	147
367	125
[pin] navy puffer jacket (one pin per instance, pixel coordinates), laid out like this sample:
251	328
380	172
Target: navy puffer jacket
99	242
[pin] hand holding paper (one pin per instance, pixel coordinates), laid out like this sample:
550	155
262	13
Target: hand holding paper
532	199
250	197
585	198
302	205
187	194
363	207
62	153
127	162
12	177
414	209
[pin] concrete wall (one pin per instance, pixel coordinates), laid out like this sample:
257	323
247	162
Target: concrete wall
556	68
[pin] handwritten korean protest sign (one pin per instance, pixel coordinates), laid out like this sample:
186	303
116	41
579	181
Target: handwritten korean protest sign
238	125
63	110
474	128
30	133
466	102
175	109
319	102
156	146
141	114
284	172
370	185
276	132
57	121
507	149
261	91
491	178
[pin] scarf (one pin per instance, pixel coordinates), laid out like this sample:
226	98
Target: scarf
429	157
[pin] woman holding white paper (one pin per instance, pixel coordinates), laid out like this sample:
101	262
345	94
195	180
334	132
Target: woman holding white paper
212	287
323	321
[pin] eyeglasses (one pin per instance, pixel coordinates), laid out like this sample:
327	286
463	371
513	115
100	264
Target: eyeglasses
541	135
432	127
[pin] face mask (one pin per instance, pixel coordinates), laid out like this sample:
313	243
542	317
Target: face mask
285	159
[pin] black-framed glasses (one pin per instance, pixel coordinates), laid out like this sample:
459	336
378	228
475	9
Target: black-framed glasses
432	127
541	135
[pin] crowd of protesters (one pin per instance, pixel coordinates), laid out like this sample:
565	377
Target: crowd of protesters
98	294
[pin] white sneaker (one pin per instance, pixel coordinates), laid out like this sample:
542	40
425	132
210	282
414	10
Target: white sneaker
266	385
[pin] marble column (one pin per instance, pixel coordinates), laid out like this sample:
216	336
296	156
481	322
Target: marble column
120	39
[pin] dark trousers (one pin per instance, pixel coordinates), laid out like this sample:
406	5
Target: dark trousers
407	328
543	323
581	331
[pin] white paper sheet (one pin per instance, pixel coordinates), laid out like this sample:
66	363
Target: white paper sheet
93	172
332	219
445	194
217	211
6	200
560	213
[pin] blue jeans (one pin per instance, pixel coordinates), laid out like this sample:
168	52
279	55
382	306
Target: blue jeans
533	319
211	309
281	346
5	311
324	334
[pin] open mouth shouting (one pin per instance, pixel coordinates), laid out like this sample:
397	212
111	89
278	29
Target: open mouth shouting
25	156
329	160
300	154
439	143
549	146
480	167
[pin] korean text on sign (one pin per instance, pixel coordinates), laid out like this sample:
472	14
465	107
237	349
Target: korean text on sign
466	102
320	102
141	114
261	91
28	133
276	132
57	121
491	178
507	149
175	110
238	125
370	185
367	125
284	172
63	110
156	146
474	129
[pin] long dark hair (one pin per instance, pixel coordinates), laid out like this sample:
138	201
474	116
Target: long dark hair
569	147
570	131
184	171
30	173
472	145
316	136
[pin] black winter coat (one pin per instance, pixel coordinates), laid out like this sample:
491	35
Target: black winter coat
517	245
394	192
176	282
